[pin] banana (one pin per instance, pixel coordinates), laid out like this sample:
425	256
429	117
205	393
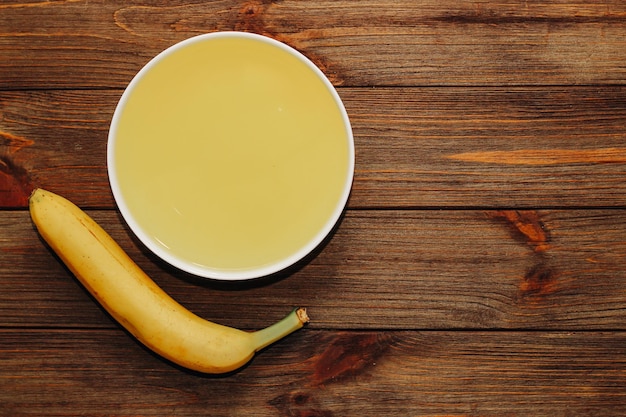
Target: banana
139	304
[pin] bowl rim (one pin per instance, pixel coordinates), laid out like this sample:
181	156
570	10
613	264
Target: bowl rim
217	273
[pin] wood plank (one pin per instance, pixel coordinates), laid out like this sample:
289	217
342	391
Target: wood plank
56	140
415	147
91	44
489	147
510	269
322	373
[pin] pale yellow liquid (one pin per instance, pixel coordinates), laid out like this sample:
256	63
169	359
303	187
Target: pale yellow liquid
232	154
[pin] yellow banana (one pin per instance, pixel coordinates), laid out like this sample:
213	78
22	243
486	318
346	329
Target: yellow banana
137	303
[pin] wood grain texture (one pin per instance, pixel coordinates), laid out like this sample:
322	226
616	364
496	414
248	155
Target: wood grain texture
382	269
415	147
96	44
320	373
480	269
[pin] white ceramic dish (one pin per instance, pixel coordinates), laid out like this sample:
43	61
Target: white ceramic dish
230	156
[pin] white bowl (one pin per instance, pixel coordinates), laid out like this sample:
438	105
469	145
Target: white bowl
230	156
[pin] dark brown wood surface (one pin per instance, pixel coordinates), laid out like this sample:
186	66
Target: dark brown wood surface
480	267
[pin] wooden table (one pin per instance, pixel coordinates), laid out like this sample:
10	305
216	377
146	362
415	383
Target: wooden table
480	268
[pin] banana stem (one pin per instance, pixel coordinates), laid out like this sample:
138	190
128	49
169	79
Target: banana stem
292	322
